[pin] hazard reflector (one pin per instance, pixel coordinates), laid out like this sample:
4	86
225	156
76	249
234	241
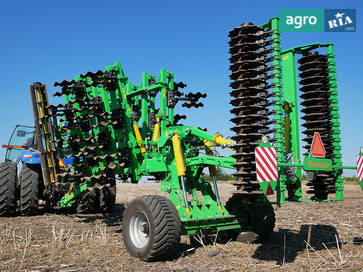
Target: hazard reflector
317	148
61	163
266	164
360	168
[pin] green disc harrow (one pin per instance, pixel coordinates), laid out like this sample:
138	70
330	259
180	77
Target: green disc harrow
109	128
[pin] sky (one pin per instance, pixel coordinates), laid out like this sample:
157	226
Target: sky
50	41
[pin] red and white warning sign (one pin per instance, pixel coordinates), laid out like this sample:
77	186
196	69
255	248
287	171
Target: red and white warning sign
317	148
360	167
266	164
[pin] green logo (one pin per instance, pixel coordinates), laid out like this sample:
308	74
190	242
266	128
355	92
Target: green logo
301	20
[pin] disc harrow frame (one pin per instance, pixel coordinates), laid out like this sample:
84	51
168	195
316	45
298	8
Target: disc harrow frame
110	127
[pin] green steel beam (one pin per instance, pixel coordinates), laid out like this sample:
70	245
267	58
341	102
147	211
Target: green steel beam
292	144
307	47
226	162
279	103
159	157
337	149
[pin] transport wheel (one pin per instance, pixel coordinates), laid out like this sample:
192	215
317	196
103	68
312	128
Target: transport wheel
261	219
108	198
29	189
8	188
89	202
151	228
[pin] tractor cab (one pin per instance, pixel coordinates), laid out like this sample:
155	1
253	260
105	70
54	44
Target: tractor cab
22	145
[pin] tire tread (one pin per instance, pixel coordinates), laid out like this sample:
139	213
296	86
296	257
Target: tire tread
29	190
8	189
167	227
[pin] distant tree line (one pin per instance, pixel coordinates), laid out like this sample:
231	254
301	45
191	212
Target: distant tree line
221	175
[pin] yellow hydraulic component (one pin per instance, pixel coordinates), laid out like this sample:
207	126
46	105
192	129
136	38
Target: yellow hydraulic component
45	131
208	146
188	212
208	150
178	155
156	130
72	188
219	140
213	173
61	163
39	96
138	138
179	162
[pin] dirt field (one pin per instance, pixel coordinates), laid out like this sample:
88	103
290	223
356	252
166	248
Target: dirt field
94	242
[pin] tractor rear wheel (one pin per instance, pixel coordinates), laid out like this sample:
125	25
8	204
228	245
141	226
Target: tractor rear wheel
260	219
30	185
151	228
8	189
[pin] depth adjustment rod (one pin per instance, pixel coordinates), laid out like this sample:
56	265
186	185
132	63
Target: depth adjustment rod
180	168
213	174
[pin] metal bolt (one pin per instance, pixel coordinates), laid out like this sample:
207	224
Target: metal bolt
144	169
167	189
217	212
183	214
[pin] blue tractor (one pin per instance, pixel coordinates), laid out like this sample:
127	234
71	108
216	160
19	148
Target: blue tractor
21	178
28	179
27	187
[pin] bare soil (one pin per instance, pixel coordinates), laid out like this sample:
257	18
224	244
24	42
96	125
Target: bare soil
304	240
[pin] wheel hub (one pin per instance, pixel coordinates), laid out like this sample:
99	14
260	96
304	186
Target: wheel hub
139	229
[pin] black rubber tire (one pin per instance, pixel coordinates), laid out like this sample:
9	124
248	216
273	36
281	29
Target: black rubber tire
89	202
107	198
163	224
8	189
30	184
261	219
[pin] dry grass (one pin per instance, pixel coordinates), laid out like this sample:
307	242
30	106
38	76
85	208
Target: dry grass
308	237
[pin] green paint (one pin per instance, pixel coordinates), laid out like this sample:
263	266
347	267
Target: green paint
129	101
279	103
316	164
159	160
264	186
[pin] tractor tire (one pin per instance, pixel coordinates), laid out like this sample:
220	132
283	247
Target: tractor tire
261	220
30	189
151	228
107	198
89	202
8	189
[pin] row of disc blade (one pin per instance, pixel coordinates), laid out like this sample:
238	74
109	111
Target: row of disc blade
87	133
249	64
317	115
